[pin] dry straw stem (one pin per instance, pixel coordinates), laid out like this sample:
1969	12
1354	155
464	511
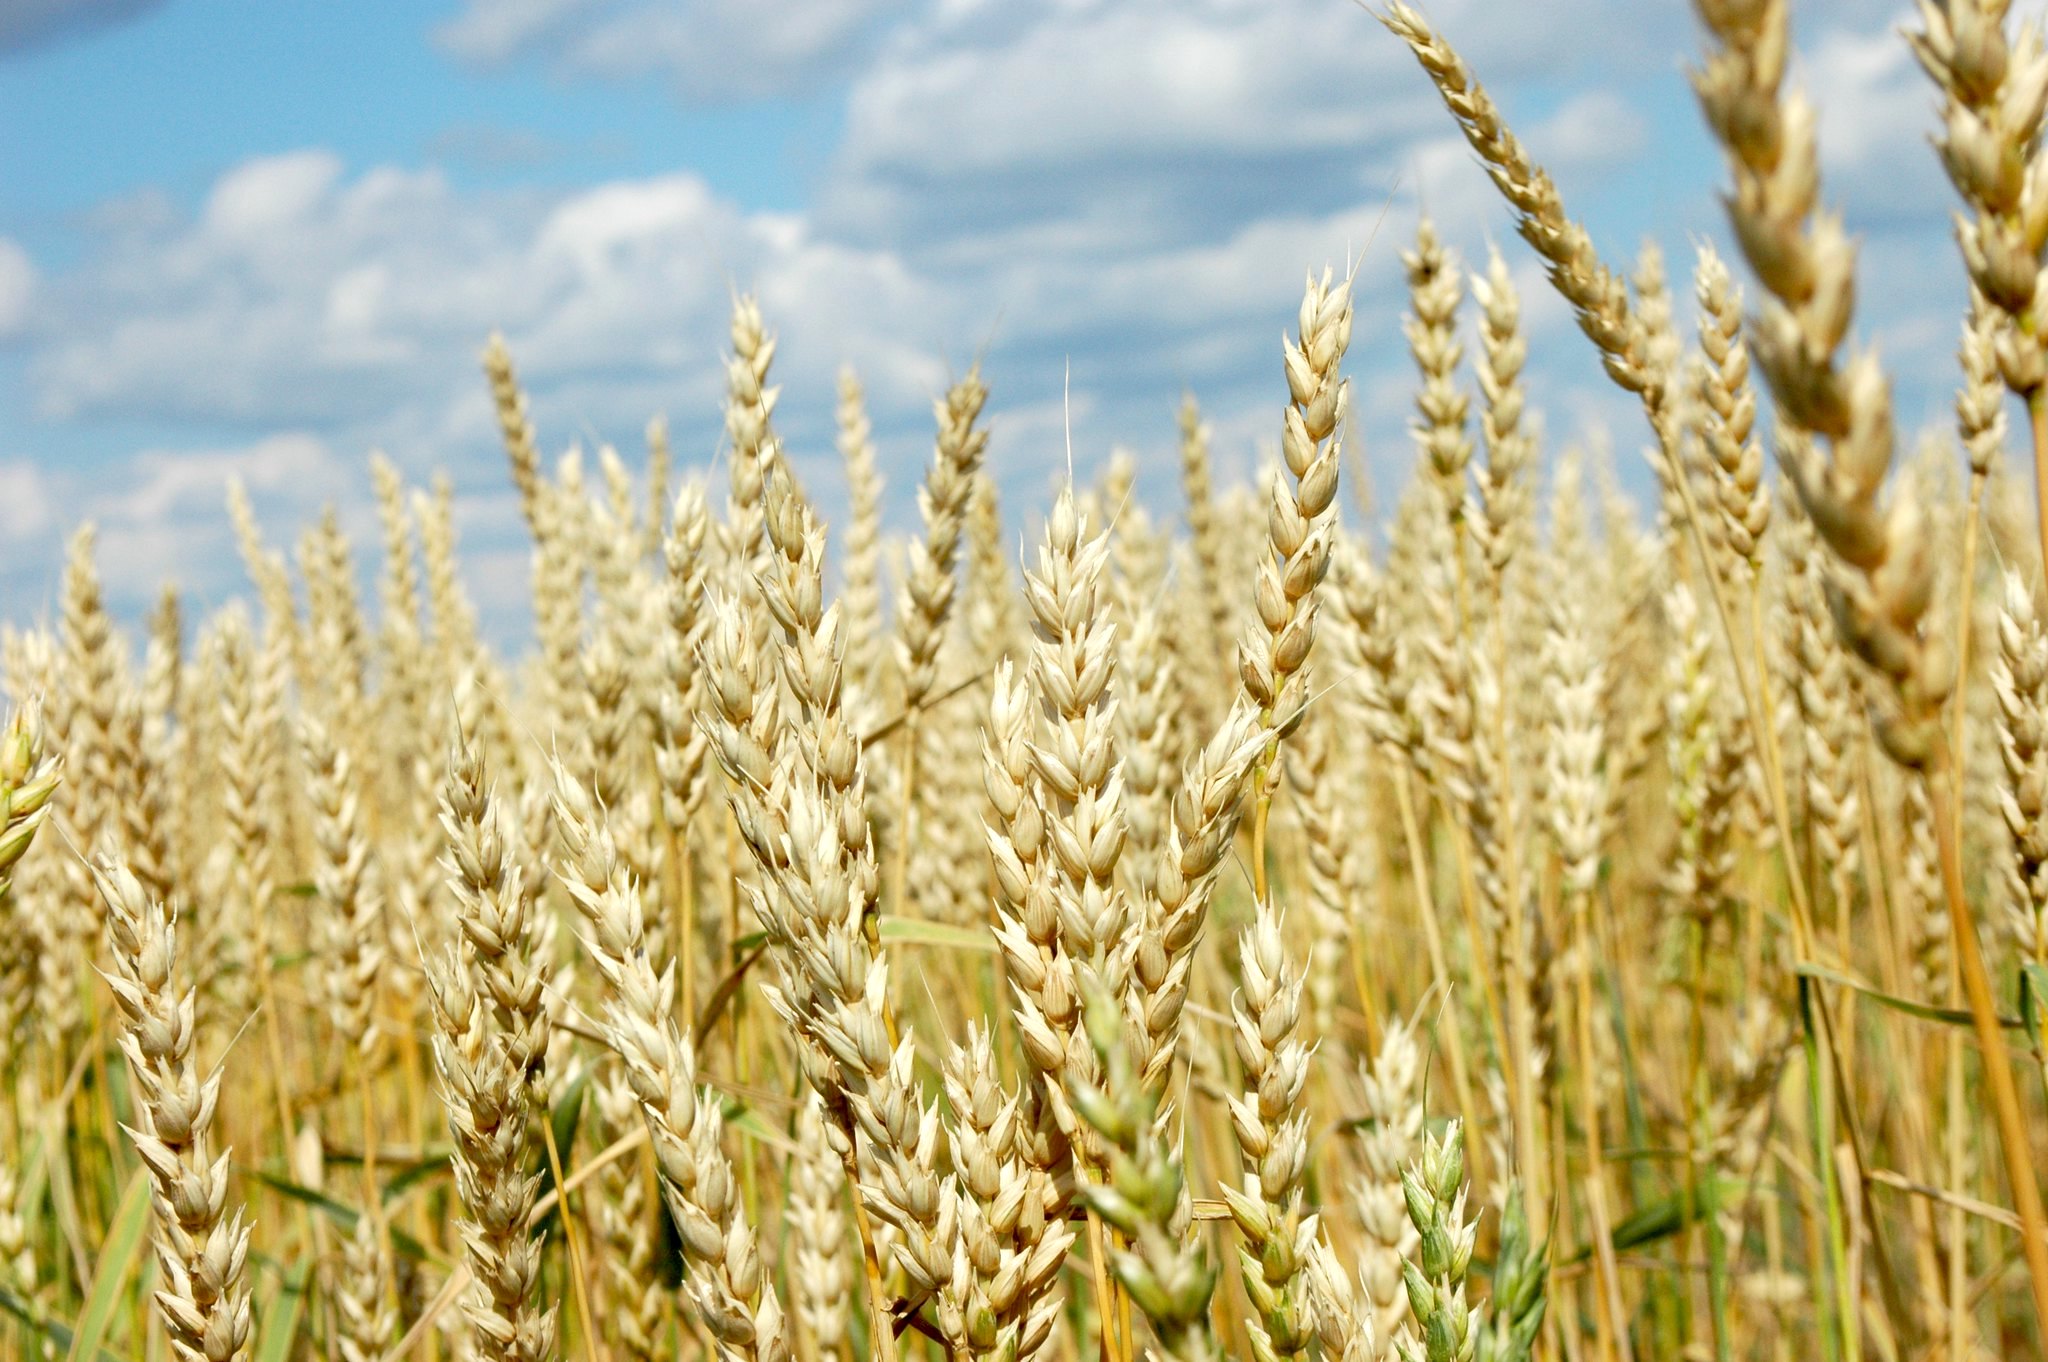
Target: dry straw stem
201	1250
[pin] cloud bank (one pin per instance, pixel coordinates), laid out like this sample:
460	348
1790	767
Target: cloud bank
1109	200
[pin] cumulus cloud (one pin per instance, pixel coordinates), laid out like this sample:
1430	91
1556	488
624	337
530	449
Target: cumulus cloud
710	49
1127	190
32	23
1142	222
1141	118
299	293
160	513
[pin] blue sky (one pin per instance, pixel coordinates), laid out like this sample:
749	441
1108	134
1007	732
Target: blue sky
259	238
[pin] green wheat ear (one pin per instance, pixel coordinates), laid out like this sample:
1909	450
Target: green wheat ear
1516	1307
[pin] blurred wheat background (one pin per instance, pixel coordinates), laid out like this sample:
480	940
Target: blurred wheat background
1500	923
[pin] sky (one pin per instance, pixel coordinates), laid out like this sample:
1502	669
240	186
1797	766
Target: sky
263	239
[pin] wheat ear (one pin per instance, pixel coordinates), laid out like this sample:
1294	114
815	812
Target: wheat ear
28	779
201	1249
1272	1137
1143	1195
726	1284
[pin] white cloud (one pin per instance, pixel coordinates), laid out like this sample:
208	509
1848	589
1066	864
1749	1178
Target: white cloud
1143	218
28	509
271	194
1593	128
1127	188
17	286
1877	114
300	294
161	513
162	483
708	49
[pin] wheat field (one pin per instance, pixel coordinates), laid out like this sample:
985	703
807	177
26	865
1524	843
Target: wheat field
1519	928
